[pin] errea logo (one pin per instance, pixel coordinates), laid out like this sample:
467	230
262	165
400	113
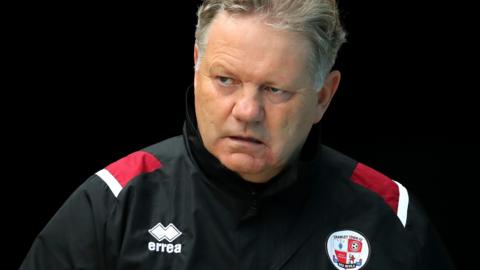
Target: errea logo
160	232
169	233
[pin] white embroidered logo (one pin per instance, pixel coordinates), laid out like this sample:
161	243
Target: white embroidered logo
169	233
160	232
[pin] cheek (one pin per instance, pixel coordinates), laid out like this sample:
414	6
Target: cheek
210	106
211	110
203	98
293	127
202	101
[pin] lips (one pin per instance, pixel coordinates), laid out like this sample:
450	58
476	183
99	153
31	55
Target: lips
246	139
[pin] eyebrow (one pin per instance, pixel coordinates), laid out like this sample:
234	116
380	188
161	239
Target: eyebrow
221	68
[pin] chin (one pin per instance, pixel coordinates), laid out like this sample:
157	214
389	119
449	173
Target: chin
242	163
249	168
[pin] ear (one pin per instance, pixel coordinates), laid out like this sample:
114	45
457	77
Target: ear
326	93
195	59
195	54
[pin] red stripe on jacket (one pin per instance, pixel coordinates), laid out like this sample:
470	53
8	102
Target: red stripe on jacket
378	183
133	165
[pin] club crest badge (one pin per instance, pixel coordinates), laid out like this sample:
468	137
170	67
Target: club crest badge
348	250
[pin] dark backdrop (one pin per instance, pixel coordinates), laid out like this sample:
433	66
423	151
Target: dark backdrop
92	83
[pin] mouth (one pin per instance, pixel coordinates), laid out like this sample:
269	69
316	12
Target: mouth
246	139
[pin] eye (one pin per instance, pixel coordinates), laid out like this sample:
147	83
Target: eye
276	95
225	81
273	90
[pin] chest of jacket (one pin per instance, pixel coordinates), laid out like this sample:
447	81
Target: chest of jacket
177	220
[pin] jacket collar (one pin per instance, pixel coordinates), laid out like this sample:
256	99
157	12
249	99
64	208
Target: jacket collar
227	180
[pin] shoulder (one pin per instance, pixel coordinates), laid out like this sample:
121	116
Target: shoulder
371	183
394	194
374	197
121	173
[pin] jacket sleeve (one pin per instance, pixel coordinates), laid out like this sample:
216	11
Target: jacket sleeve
74	237
431	252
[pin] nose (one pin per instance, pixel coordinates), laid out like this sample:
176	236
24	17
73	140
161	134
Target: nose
248	107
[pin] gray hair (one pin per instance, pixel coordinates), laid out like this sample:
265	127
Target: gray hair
317	20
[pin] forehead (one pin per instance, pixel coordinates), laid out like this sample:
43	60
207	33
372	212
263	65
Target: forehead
248	43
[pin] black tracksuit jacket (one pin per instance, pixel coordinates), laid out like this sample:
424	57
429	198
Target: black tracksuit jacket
174	206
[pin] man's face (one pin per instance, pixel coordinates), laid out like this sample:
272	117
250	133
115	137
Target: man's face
254	100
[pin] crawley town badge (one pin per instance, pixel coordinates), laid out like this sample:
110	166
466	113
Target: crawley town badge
348	250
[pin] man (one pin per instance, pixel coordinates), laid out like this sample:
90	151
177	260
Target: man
247	186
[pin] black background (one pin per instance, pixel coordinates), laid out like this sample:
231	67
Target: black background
87	84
